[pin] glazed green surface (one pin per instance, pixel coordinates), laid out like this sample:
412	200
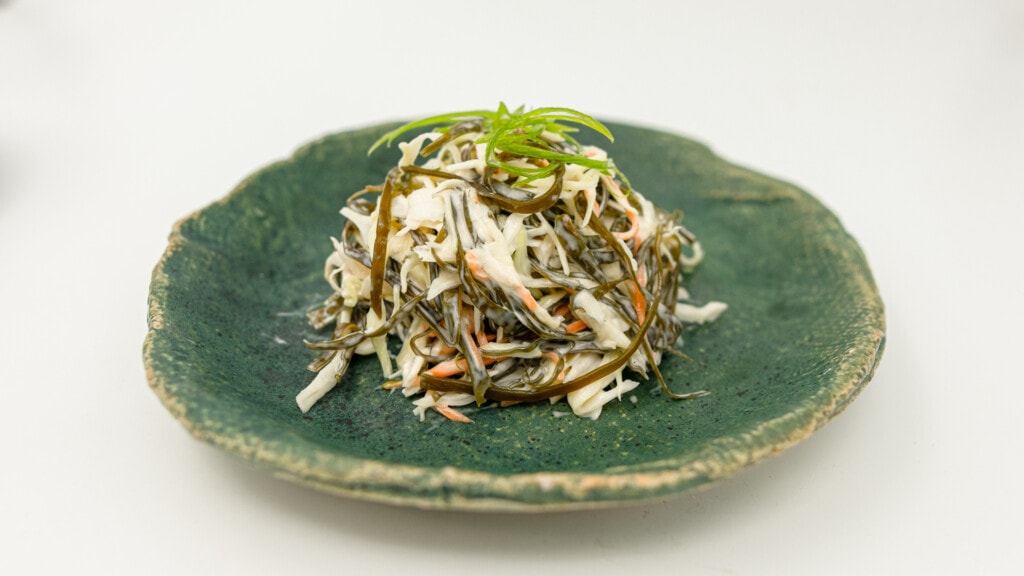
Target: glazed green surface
802	335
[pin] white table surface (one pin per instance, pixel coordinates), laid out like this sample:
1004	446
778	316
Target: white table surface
906	118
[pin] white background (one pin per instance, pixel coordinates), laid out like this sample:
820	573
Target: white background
117	118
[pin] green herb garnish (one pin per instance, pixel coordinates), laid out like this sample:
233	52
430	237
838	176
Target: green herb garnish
543	134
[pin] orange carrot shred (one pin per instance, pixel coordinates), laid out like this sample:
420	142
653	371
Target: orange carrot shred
452	414
576	326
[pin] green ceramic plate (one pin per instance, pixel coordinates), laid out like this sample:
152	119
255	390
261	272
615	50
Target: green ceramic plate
225	354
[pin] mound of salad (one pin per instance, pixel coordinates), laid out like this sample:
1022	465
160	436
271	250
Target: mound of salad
514	263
